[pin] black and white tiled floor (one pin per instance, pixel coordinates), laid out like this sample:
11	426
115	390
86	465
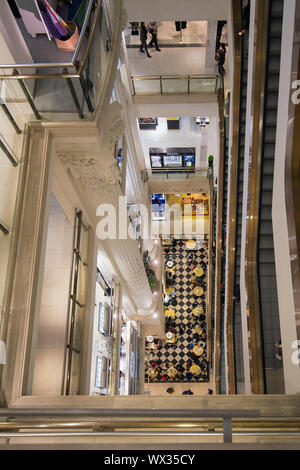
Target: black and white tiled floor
180	353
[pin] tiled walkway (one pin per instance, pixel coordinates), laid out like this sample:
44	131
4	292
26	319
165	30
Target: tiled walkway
180	354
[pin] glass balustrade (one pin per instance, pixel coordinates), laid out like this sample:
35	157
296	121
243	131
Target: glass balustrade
180	84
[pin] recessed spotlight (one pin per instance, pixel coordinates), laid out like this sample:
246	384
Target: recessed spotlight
155	315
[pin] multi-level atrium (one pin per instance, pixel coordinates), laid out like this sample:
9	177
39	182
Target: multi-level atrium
145	258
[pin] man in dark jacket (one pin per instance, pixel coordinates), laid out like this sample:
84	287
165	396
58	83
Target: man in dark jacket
221	58
143	38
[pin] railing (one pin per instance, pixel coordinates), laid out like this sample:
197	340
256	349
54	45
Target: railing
171	84
123	423
72	85
176	174
252	288
231	229
225	415
73	348
210	272
218	264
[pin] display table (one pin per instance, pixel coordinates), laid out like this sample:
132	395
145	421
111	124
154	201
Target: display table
197	311
172	372
198	271
171	338
197	330
152	373
191	244
198	350
198	291
194	369
170	313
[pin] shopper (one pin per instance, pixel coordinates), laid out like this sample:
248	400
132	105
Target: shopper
143	38
246	18
219	32
152	28
221	58
278	346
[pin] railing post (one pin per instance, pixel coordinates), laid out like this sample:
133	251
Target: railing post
86	95
10	118
160	81
133	87
4	228
28	95
227	429
13	160
74	96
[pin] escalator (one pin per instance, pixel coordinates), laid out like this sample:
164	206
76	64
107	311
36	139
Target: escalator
270	326
222	371
237	320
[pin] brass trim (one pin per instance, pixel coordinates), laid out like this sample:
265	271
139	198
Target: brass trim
231	229
219	241
176	77
261	39
25	76
293	212
210	264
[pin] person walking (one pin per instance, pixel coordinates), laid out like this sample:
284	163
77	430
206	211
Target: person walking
152	28
143	38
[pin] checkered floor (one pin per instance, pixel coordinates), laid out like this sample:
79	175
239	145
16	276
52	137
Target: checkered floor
180	353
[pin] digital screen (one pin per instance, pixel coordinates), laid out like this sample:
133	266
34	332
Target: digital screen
189	160
172	160
158	198
155	161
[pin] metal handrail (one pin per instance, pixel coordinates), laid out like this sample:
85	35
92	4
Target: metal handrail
161	78
176	77
210	272
252	288
237	26
219	242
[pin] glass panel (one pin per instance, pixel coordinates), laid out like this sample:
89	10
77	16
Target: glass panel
175	85
97	60
54	95
76	351
203	85
146	87
9	180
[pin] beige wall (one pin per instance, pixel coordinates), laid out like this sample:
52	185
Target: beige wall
51	344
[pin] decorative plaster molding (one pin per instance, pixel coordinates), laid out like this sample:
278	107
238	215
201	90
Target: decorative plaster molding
93	174
115	132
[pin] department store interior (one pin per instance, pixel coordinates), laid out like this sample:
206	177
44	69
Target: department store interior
191	319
